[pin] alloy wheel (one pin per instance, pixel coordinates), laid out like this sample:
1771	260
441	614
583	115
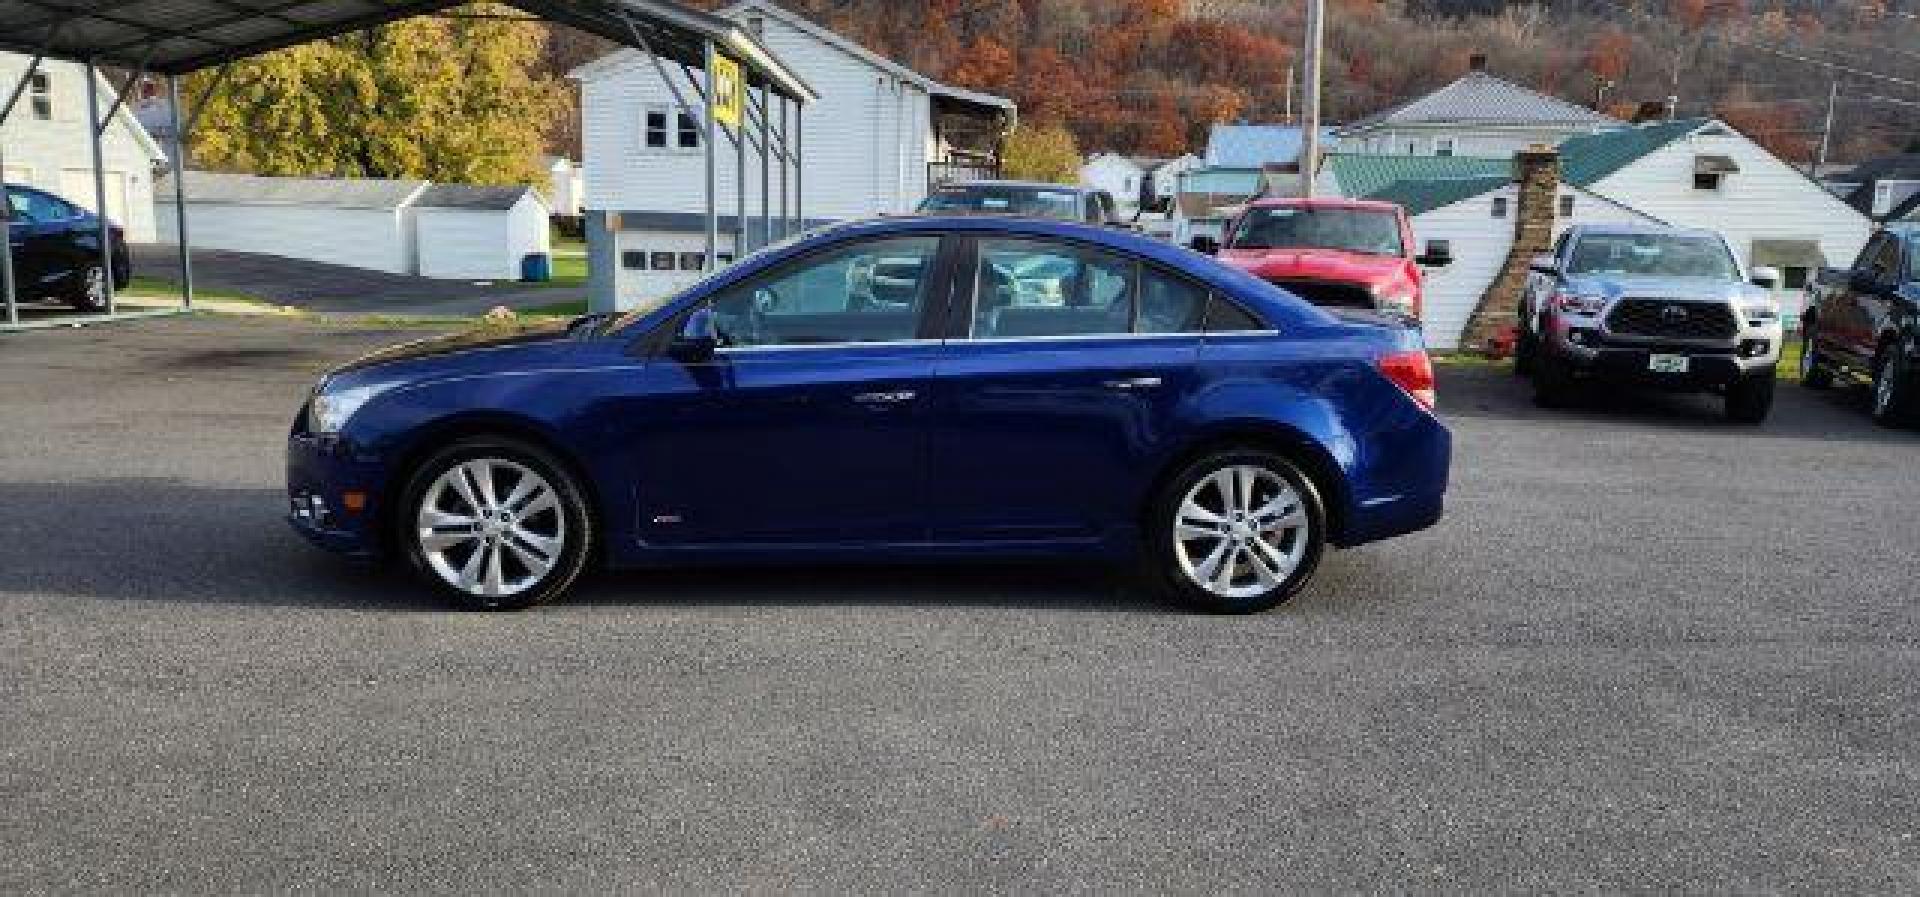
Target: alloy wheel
1241	532
1886	384
491	528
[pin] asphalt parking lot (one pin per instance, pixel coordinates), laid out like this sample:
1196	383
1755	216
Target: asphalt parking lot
1646	650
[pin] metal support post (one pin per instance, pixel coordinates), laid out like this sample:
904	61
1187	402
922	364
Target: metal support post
713	200
766	170
740	180
799	167
100	183
180	192
786	172
8	285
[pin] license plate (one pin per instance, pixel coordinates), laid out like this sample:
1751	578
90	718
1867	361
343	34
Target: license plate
1667	364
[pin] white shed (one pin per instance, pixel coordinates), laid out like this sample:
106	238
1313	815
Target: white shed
478	233
357	222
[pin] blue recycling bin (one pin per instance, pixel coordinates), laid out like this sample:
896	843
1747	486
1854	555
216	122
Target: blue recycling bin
536	267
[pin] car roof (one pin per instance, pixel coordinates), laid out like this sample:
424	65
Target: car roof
1646	229
1326	202
1023	185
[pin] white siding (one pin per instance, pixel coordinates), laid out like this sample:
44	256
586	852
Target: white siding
864	143
480	244
1480	244
1765	199
360	238
1485	142
1116	175
41	153
635	285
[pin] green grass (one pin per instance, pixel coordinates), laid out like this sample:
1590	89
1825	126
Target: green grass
144	285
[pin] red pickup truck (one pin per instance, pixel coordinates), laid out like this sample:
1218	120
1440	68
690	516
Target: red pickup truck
1347	253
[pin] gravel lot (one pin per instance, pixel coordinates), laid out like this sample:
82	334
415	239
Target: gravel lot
1646	650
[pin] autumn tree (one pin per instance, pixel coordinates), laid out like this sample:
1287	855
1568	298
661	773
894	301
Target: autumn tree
1041	153
445	99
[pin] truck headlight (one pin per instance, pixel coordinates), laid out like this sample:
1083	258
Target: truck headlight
1578	304
332	408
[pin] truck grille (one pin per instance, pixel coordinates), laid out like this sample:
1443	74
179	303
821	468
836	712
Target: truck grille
1333	295
1673	320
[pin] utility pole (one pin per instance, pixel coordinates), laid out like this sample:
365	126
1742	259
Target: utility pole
1310	96
1826	130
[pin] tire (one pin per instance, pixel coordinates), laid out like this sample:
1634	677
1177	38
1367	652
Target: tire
1814	373
483	542
1893	393
1750	398
1553	383
1524	349
1209	551
89	292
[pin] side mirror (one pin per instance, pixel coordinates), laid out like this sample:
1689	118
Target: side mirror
698	339
1764	276
1439	254
1205	245
1544	264
1863	282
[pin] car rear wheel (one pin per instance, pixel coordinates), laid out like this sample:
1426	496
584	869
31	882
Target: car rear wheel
1893	400
1524	349
90	290
1814	373
495	524
1750	398
1553	382
1237	532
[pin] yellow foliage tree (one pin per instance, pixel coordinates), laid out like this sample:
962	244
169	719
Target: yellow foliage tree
1041	153
446	99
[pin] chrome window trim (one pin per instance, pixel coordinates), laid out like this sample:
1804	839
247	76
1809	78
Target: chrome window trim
1059	338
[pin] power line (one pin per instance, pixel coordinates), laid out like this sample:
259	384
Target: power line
1831	67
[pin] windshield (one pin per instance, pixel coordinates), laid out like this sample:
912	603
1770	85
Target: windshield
1659	255
1369	231
1005	199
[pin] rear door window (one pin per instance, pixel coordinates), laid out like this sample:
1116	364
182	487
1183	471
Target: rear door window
1040	288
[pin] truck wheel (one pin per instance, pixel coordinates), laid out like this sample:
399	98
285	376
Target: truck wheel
1893	400
1523	352
1552	382
1750	398
1814	373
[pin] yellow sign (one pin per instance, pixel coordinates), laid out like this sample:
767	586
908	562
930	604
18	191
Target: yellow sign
729	92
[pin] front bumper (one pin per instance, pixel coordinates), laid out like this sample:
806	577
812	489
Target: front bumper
323	478
1590	350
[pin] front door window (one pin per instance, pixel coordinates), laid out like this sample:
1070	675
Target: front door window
869	292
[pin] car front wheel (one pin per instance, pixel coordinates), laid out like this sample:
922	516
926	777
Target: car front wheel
1893	399
89	290
1237	532
1814	373
495	524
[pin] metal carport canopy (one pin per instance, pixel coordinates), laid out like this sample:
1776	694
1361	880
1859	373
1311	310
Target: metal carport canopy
174	37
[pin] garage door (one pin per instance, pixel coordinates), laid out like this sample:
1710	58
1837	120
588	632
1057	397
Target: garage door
76	186
465	245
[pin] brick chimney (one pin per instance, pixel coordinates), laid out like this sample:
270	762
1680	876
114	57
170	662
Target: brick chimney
1538	176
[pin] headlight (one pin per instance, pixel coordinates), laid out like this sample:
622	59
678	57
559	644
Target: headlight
332	408
1579	305
1396	299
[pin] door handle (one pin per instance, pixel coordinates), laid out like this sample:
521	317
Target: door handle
894	397
1133	383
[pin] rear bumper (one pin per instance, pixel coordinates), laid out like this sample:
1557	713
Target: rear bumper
320	473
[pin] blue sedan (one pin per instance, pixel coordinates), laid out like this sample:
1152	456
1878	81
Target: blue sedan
926	388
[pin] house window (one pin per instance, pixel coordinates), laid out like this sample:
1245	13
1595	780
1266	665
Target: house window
1443	146
757	26
1566	205
1882	198
1413	147
1499	207
1794	277
661	261
693	261
684	134
1706	180
41	90
633	260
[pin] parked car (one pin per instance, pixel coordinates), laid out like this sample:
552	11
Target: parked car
1863	322
1074	392
1345	253
56	250
1661	306
1028	199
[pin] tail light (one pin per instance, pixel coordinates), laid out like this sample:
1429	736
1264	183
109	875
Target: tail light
1413	372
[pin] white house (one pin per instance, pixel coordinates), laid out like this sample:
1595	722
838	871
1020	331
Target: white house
1688	173
1118	175
396	226
478	233
1163	180
1476	115
878	137
566	185
45	144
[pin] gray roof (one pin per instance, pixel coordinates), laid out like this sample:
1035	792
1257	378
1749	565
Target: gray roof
463	196
1480	98
1256	146
248	189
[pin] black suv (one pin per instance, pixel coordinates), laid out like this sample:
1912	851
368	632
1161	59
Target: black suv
56	250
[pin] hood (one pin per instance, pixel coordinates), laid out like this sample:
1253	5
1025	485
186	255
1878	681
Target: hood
482	338
1307	263
1695	289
